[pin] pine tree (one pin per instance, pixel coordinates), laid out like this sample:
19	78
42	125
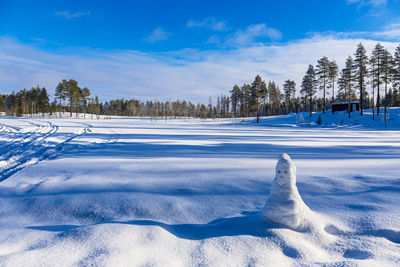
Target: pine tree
97	109
256	90
376	72
308	86
322	72
387	74
396	97
360	65
235	99
347	82
77	95
21	102
210	107
275	97
289	88
72	88
263	92
389	98
62	92
85	95
218	108
246	96
227	103
333	73
396	69
43	101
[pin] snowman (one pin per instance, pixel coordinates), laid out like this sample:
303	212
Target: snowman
284	204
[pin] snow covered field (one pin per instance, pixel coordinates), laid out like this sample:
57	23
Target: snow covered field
135	192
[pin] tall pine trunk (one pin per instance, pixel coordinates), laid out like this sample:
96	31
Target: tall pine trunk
333	92
324	95
373	101
378	96
385	102
361	95
70	107
349	102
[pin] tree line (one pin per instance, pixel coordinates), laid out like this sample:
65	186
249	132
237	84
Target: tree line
37	101
380	71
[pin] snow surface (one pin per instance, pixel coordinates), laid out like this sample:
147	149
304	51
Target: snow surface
178	192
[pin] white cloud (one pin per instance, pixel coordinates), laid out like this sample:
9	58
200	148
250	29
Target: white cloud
238	38
209	22
252	33
157	35
374	3
376	8
190	74
390	32
214	40
70	15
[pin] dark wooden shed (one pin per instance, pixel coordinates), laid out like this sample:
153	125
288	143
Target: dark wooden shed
351	106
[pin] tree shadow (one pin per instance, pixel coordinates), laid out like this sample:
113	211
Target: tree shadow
250	224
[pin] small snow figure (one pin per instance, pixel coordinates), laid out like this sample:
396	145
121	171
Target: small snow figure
284	204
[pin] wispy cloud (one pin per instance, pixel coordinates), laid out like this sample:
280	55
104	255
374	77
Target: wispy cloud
390	32
252	33
71	15
190	74
226	36
213	40
374	3
157	35
209	23
376	8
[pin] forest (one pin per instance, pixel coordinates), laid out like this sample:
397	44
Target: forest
379	73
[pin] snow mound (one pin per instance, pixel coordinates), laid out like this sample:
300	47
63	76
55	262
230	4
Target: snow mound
286	207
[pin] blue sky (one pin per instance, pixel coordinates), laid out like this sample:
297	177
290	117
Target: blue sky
181	49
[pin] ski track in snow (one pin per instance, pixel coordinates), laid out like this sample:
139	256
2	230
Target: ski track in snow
31	147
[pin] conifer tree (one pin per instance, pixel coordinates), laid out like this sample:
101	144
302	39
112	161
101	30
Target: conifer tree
97	109
257	91
322	72
11	104
62	92
396	69
376	72
333	73
347	82
246	96
263	93
274	95
396	77
43	100
289	89
360	66
72	88
85	95
235	99
308	86
396	98
387	74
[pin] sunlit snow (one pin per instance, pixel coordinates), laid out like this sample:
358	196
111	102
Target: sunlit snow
187	192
